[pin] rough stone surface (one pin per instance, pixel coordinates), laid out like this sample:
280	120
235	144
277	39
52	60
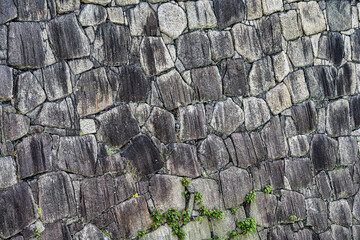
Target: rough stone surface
298	173
254	9
296	84
125	187
338	15
116	15
245	152
300	52
312	18
6	81
282	66
320	80
341	183
56	231
92	15
317	214
298	145
305	117
323	184
355	49
345	82
210	192
291	25
206	83
142	20
221	45
234	79
338	118
274	138
340	213
90	231
63	6
7	172
270	34
278	99
263	208
323	152
14	126
197	230
291	204
10	13
161	124
229	12
339	232
163	232
192	122
100	2
271	6
355	108
269	173
261	76
80	65
348	149
331	47
200	14
172	20
256	112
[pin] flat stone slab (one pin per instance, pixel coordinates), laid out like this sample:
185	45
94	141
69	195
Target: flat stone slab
312	18
269	173
163	232
291	204
270	34
323	152
338	15
8	176
321	81
274	139
197	230
172	20
90	231
67	6
338	118
59	230
331	47
261	76
192	121
317	214
6	81
245	152
125	187
305	117
263	209
221	45
207	83
229	12
297	86
161	124
200	14
299	173
348	149
234	80
10	13
341	183
355	49
290	24
300	52
278	98
91	15
32	10
14	126
298	145
340	213
143	20
256	112
271	6
209	189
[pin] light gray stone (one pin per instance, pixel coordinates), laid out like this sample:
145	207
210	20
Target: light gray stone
116	15
270	34
125	187
338	15
91	15
291	26
14	126
345	82
282	66
245	152
142	20
323	152
299	145
161	124
261	76
278	99
3	36
298	173
6	81
200	14
229	12
90	231
197	230
296	84
355	49
312	18
321	80
271	6
323	185
291	204
140	111
126	2
356	206
274	139
10	12
29	10
221	45
221	227
80	65
348	149
192	120
256	113
234	79
100	2
63	6
163	232
341	183
331	47
263	209
87	126
340	213
210	192
340	233
338	118
317	214
269	173
254	9
7	172
300	52
172	20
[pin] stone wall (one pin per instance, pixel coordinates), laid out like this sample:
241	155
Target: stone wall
105	105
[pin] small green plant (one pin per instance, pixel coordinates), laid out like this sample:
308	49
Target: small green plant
233	234
250	197
212	214
157	219
39	210
175	219
293	218
247	225
109	151
267	189
215	237
141	234
198	198
185	181
185	217
80	134
37	233
15	155
234	210
106	233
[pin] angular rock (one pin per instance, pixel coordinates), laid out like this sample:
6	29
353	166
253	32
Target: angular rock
269	173
271	6
97	195
321	81
263	209
221	45
143	20
56	197
193	49
174	91
6	82
212	153
166	192
197	230
323	152
291	26
258	146
161	124
111	163
183	161
339	232
340	213
210	192
93	92
9	12
125	187
92	15
63	6
141	112
245	152
78	154
7	172
17	208
234	194
338	14
80	65
56	231
317	215
68	38
87	126
278	99
355	111
234	80
192	122
355	48
338	118
111	45
305	117
29	10
254	9
345	82
298	172
270	34
154	56
143	155
90	231
256	113
261	76
126	2
172	20
291	204
229	12
341	183
356	231
163	232
100	2
331	47
200	14
221	227
296	84
247	42
14	126
207	83
300	52
34	155
299	145
282	66
274	138
234	117
323	184
312	18
348	149
356	206
116	15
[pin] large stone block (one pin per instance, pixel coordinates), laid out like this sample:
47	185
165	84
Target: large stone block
207	83
246	41
172	20
331	47
278	98
89	232
200	14
221	45
234	80
338	14
317	214
274	138
271	6
210	191
321	80
323	152
338	118
245	152
91	15
323	185
263	209
300	52
9	11
340	213
192	122
143	20
305	117
6	81
161	124
339	232
7	172
291	25
163	232
269	173
56	231
299	145
63	6
29	10
254	9
270	34
312	18
299	173
256	113
14	126
355	48
291	204
341	183
348	149
125	187
345	82
261	76
355	111
229	12
296	84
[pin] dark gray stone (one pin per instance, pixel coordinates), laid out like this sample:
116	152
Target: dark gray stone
6	82
212	153
305	117
14	126
340	213
56	197
207	83
356	206
245	152
183	161
297	86
355	111
269	173
161	124
274	139
258	145
341	183
345	82
331	47
112	162
68	38
256	112
200	14
234	194
125	187
338	14
192	122
323	152
133	85
355	47
261	76
270	34
112	43
356	232
96	196
246	42
30	10
229	12
323	185
93	92
55	231
338	118
340	233
348	149
221	45
17	208
300	52
263	209
34	155
193	49
8	12
78	155
143	155
321	81
298	172
291	204
8	174
234	79
317	214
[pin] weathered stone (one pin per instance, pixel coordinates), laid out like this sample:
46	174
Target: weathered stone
56	197
97	195
299	145
92	15
269	173
298	172
300	52
57	81
78	154
14	126
263	209
7	172
312	18
271	6
100	2
305	117
58	114
111	44
247	42
323	184
355	48
68	38
234	117
282	66
56	231
125	187
143	155
90	231
331	47
339	232
338	14
317	215
254	9
356	231
291	26
296	84
290	204
116	15
270	34
6	82
3	37
80	65
207	83
340	213
278	99
338	118
212	153
256	113
183	161
17	208
154	56
141	112
34	155
258	145
234	80
63	6
348	149
87	126
172	20
26	48
345	82
356	206
192	121
261	76
133	85
174	91
137	217
355	111
111	163
166	192
221	45
200	14
210	192
321	81
9	11
193	49
161	124
274	138
341	183
245	152
323	152
163	232
143	20
197	230
229	12
29	10
234	194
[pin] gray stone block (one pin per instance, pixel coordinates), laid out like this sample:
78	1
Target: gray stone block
299	145
323	185
341	183
172	20
338	118
300	52
323	152
143	20
210	191
338	15
320	81
207	83
274	139
90	231
269	173
63	6
197	230
345	82
355	48
296	84
348	149
331	47
161	124
312	18
261	76
10	11
291	25
29	10
270	34
305	117
192	122
263	209
340	213
278	98
229	12
299	173
340	233
163	232
200	14
14	126
245	152
317	214
8	174
291	204
125	187
56	231
234	79
221	45
91	15
256	113
6	81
